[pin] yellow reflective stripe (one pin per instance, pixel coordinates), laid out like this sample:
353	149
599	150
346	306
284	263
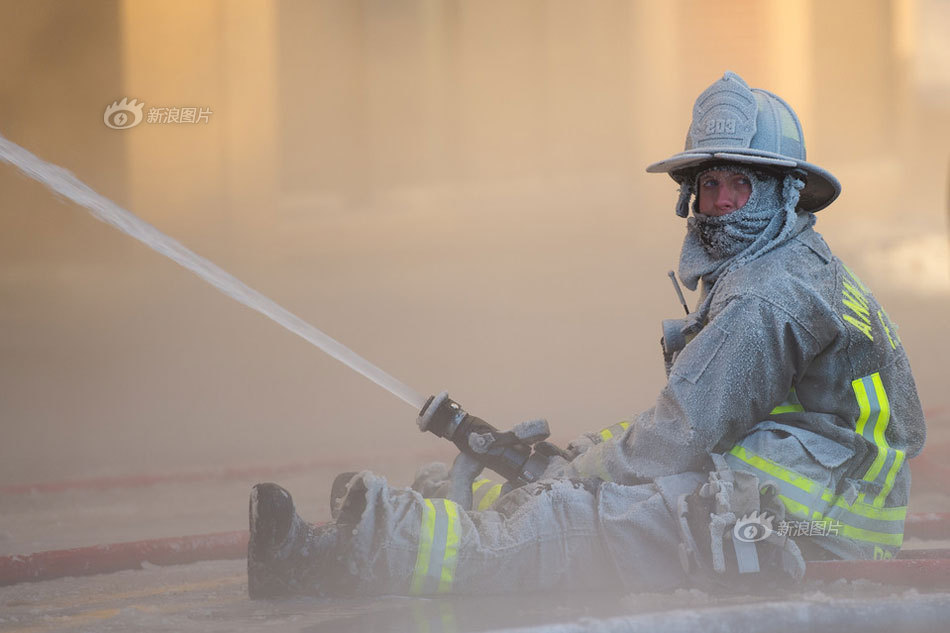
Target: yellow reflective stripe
484	495
787	408
451	547
798	509
865	407
610	431
883	417
884	450
895	513
794	508
866	510
490	497
789	405
426	536
891	476
767	465
859	534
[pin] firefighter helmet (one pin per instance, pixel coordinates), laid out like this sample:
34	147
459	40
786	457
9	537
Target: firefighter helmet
733	123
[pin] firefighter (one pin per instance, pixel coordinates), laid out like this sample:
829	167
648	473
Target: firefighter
782	435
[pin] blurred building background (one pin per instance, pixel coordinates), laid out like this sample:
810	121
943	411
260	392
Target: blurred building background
453	188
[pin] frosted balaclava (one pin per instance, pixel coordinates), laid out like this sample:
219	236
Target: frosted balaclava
727	235
714	245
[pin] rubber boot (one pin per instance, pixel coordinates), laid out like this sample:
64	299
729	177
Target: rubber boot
285	554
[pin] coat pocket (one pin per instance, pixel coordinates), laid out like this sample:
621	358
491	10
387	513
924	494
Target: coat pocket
695	358
804	452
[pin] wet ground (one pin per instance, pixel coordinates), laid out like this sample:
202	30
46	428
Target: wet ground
212	595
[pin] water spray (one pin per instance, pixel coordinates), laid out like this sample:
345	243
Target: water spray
512	458
64	183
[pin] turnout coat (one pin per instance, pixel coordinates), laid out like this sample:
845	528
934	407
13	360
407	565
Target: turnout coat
798	376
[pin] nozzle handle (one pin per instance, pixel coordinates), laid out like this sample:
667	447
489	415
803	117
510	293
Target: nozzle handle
511	458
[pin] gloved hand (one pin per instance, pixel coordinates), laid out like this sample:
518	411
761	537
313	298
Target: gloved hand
510	454
467	467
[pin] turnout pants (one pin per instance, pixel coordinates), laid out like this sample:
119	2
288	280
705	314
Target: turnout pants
552	535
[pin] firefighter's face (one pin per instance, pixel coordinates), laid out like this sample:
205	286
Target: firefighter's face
721	192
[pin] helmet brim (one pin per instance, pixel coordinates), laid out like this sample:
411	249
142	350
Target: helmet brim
821	188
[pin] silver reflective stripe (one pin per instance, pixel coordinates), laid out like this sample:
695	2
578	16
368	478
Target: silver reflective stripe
873	418
875	525
805	504
884	525
889	458
437	553
873	413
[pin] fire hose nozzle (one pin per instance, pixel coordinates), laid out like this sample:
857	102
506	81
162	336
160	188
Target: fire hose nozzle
504	453
441	415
